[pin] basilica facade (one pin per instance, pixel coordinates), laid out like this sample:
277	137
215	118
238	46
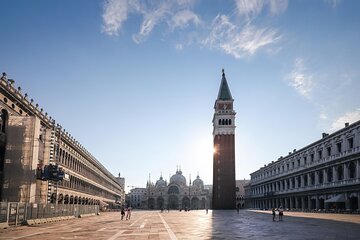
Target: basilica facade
176	194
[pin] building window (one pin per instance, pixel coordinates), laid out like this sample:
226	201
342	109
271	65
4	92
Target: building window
298	161
312	178
305	160
320	154
338	146
340	173
352	169
328	151
287	167
293	165
351	143
305	180
321	176
329	174
312	157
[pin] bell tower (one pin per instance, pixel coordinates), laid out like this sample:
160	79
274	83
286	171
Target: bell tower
224	195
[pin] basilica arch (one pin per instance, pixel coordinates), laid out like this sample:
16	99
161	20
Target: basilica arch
173	202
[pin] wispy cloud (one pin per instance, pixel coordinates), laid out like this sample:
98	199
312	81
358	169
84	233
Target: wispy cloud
252	8
175	13
238	41
235	35
115	13
300	79
349	117
183	18
333	3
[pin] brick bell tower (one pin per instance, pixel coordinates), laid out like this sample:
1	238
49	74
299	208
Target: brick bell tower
224	195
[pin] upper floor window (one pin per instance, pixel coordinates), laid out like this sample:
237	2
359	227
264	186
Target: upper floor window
298	162
312	157
328	149
305	160
338	146
351	143
320	154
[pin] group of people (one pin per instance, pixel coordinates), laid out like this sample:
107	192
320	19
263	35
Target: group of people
128	213
281	213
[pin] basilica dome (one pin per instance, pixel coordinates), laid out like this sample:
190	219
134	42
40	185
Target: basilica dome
178	178
160	183
198	183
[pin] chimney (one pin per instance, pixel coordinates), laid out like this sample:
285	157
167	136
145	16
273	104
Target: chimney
324	135
346	124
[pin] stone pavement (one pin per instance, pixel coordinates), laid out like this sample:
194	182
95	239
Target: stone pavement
195	225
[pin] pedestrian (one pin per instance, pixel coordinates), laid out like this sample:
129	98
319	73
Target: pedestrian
128	213
281	213
237	209
273	213
122	213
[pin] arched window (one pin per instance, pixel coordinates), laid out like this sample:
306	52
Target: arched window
223	122
352	170
229	121
330	174
321	176
226	122
312	178
340	173
173	190
219	121
3	120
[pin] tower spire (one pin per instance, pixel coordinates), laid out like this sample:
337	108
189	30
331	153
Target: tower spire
224	91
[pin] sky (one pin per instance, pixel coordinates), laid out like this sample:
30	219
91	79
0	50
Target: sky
135	81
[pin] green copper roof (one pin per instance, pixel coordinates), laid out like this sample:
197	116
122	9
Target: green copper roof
224	91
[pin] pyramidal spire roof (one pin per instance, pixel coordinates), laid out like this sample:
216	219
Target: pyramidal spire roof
224	91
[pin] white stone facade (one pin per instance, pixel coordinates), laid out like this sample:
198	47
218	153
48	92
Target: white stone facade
324	175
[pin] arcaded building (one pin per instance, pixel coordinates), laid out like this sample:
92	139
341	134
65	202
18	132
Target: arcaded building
224	186
323	175
31	141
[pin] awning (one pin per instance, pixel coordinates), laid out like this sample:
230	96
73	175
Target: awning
337	198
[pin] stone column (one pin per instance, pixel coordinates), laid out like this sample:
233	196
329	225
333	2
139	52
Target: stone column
302	180
317	177
296	182
286	186
297	203
303	202
317	202
358	173
291	202
309	202
334	174
347	201
325	178
308	179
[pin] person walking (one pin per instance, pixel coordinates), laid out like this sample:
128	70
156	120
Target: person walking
281	213
273	213
122	213
128	213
